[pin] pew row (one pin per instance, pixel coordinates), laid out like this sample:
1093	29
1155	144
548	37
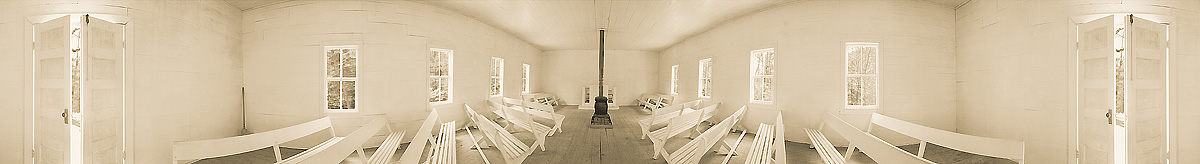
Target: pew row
513	149
536	110
876	148
768	145
201	149
992	147
653	101
518	117
337	151
443	142
692	151
665	114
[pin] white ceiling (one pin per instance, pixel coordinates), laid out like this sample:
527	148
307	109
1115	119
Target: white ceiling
649	25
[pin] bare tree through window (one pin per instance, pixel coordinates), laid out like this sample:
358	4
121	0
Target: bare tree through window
862	75
440	73
762	75
341	69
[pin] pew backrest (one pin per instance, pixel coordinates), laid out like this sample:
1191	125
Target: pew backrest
993	147
874	147
201	149
412	154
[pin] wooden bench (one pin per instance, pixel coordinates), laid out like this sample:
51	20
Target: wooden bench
992	147
653	101
387	149
201	149
518	117
874	147
336	151
513	149
443	142
691	152
768	145
676	126
665	114
538	110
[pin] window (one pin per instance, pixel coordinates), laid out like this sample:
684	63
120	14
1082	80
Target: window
675	79
762	75
441	71
862	75
705	83
341	68
497	76
524	78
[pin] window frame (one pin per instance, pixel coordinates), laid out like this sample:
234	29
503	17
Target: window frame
325	58
755	65
675	79
497	66
449	76
700	84
525	77
846	73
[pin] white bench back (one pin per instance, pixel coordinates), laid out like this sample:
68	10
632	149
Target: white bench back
412	154
190	150
878	149
685	121
705	140
676	107
340	150
994	147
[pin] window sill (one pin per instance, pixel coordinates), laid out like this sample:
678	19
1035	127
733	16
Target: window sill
341	110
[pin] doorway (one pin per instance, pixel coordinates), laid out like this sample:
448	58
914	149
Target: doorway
1121	89
78	89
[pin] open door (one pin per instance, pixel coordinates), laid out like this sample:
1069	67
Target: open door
52	91
1097	76
101	90
1147	98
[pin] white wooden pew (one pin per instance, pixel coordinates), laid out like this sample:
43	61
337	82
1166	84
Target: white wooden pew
876	148
443	142
653	101
992	147
335	152
201	149
768	145
524	120
691	152
665	114
513	149
677	125
536	110
387	149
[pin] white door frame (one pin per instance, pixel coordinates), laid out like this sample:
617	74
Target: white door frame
28	115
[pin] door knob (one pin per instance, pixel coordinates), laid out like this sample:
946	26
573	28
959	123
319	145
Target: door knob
64	115
1109	116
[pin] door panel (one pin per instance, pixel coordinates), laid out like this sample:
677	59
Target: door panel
1147	92
1097	90
101	91
52	91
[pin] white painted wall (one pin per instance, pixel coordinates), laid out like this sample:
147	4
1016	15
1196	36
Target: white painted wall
631	72
1013	59
184	71
284	65
917	61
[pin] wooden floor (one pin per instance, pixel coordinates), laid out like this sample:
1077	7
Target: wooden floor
620	145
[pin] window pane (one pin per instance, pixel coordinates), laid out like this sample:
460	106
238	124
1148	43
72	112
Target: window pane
333	95
349	62
868	90
439	63
853	89
495	86
347	94
763	89
439	89
332	63
707	87
769	63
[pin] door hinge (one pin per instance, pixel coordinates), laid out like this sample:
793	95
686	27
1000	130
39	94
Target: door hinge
32	153
1077	154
